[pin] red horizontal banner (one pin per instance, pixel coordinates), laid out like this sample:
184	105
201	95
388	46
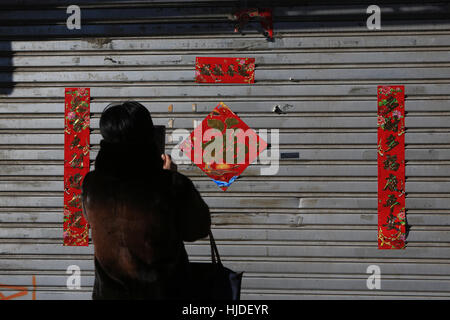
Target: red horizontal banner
224	70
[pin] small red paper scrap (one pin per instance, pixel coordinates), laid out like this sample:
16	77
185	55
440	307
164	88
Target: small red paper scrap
76	164
391	167
263	15
224	70
226	122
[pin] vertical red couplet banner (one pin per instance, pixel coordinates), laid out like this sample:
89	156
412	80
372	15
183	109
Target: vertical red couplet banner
76	164
391	167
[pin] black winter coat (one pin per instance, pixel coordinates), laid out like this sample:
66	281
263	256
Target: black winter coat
139	215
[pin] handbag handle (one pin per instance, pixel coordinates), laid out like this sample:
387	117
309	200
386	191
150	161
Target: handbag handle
214	250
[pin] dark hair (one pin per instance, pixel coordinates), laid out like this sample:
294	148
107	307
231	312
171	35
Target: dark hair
126	122
128	147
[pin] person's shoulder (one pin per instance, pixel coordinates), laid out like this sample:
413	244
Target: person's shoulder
88	177
95	175
93	178
87	181
89	174
178	181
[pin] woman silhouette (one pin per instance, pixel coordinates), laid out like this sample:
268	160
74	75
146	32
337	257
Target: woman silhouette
140	211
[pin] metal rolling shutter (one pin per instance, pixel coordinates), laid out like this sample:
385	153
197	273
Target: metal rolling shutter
309	231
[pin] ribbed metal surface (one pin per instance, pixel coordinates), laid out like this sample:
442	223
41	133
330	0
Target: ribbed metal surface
307	232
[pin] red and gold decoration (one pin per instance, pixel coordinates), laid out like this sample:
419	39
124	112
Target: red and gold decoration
391	167
76	164
263	15
224	70
243	151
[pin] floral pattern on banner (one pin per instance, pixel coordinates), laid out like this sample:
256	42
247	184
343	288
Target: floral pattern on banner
224	70
391	167
76	164
223	174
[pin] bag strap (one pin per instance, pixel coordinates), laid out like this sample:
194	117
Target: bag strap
214	250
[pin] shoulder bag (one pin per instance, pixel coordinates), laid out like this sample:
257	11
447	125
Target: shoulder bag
213	281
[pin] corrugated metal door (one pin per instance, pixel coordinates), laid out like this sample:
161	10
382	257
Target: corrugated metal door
307	232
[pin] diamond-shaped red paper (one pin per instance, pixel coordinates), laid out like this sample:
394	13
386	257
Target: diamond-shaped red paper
222	118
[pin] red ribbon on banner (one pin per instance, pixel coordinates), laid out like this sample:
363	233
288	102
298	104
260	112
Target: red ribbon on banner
76	164
224	70
391	167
